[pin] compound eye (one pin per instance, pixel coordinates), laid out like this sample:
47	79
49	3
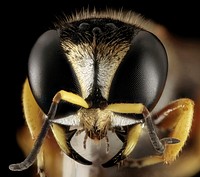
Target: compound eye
141	76
49	70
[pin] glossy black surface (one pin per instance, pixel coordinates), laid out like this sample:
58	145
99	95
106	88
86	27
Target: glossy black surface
141	76
49	71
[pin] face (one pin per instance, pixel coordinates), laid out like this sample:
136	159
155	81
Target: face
99	75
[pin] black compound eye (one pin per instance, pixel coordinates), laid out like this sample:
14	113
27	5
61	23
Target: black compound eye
141	76
49	70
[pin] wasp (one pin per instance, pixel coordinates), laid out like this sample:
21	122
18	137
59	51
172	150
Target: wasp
96	79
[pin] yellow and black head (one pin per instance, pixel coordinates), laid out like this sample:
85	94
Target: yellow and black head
108	63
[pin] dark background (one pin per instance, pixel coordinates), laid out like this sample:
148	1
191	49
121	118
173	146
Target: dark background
23	23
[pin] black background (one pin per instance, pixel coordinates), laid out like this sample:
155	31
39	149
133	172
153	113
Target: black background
21	25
